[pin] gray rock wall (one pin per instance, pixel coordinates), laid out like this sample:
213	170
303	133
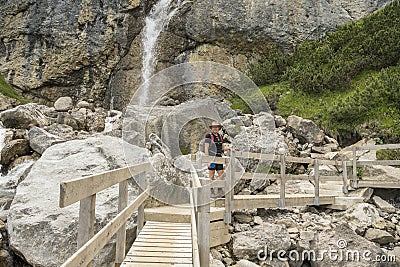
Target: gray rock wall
91	49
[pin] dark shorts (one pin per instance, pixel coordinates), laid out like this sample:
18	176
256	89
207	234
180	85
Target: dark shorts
217	167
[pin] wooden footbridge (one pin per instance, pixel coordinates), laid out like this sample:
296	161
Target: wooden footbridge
182	236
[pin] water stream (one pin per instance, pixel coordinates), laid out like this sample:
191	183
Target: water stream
157	20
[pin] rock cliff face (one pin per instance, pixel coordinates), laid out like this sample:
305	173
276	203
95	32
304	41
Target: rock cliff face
92	49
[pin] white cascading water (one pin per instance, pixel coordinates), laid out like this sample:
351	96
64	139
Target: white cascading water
156	22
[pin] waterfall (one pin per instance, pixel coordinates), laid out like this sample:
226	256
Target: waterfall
156	22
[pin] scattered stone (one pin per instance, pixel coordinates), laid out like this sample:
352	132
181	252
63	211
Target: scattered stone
215	254
383	205
6	103
247	244
241	227
63	104
257	220
64	131
96	120
343	238
83	104
228	261
279	121
321	149
14	149
243	218
40	140
24	116
305	130
5	258
379	236
361	216
245	263
216	263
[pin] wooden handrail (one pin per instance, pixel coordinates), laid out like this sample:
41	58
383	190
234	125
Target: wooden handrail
88	251
74	190
195	244
373	147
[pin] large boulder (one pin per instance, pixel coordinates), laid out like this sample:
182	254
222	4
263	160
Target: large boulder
63	104
40	140
346	249
362	216
14	149
267	236
305	130
25	116
46	234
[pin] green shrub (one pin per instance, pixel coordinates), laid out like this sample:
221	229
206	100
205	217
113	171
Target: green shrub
8	91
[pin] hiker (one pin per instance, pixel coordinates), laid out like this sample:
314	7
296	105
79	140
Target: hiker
214	146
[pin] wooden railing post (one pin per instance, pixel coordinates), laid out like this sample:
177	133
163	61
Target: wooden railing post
354	176
316	182
121	234
86	221
203	225
140	213
281	202
345	180
229	190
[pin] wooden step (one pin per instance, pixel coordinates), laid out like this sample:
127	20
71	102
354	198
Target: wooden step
153	247
178	214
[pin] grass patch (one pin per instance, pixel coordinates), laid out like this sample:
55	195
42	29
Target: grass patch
10	92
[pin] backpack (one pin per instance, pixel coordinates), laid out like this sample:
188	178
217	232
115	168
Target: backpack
212	139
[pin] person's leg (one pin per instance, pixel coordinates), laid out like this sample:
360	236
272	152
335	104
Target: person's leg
211	174
221	176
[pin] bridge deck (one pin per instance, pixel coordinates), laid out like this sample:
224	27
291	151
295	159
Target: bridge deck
161	244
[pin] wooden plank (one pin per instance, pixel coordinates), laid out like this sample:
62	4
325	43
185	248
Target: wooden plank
165	237
203	226
158	259
165	233
298	160
86	221
76	189
121	234
219	240
227	189
164	254
316	182
218	225
379	184
259	156
166	249
193	220
140	215
149	264
216	160
345	180
140	243
271	201
354	176
281	201
87	252
164	240
374	147
378	162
